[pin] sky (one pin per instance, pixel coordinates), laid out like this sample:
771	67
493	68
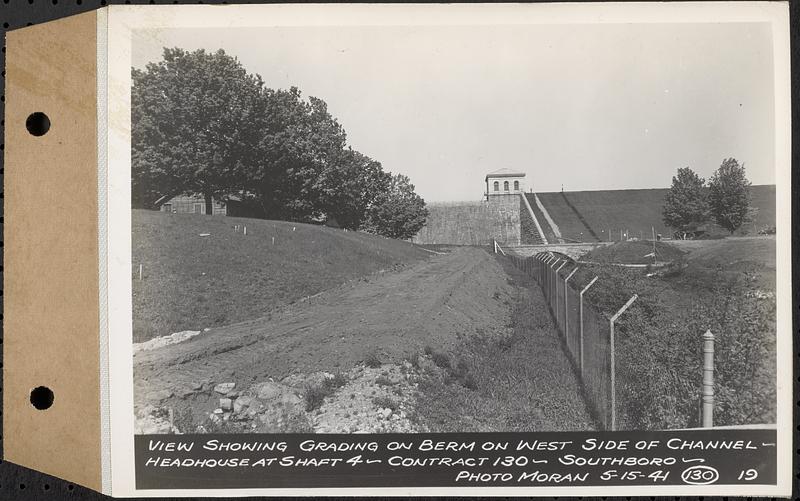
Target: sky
586	107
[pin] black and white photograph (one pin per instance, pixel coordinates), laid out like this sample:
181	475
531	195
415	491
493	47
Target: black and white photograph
395	230
405	229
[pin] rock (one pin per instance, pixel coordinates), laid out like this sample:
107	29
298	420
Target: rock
218	411
241	403
232	394
146	411
159	396
224	388
154	427
268	390
197	386
159	342
185	392
290	400
226	404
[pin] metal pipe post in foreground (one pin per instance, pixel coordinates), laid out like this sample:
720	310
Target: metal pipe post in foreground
583	291
708	379
613	362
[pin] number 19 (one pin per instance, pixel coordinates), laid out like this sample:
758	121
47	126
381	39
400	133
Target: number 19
750	474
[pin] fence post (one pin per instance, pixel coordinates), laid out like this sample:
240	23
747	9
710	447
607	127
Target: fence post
708	379
613	363
583	291
566	308
550	273
555	293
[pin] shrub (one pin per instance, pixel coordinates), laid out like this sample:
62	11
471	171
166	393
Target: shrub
468	381
659	354
315	395
372	360
441	360
337	381
385	402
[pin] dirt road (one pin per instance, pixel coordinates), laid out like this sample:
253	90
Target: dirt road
438	303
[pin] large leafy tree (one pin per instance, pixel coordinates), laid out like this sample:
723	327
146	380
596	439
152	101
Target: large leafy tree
196	117
685	204
348	186
729	195
300	141
203	125
397	212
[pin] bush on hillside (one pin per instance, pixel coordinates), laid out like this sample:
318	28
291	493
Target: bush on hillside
659	347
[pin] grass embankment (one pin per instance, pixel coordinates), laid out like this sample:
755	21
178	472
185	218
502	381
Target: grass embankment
546	228
637	212
518	379
193	282
570	226
726	286
634	252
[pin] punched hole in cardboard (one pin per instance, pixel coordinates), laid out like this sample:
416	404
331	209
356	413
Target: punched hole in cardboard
38	123
42	397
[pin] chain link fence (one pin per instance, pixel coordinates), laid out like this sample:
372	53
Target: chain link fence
587	334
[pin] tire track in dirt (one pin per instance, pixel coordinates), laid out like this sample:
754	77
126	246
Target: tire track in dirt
435	302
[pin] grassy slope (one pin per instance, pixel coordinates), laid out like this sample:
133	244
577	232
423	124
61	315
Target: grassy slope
571	228
548	231
636	211
633	252
756	256
193	282
703	262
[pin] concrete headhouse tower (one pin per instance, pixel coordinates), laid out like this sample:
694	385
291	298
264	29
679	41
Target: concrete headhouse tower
504	182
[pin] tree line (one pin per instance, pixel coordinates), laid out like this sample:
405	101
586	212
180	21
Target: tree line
202	125
691	203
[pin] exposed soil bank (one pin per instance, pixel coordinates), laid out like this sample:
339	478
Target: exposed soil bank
459	342
395	315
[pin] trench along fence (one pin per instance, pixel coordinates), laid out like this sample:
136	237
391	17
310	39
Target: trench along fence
590	337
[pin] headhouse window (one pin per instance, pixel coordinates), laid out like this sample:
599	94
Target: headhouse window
505	185
516	185
497	186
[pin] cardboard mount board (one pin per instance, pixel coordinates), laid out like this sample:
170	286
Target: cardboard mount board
52	319
70	401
